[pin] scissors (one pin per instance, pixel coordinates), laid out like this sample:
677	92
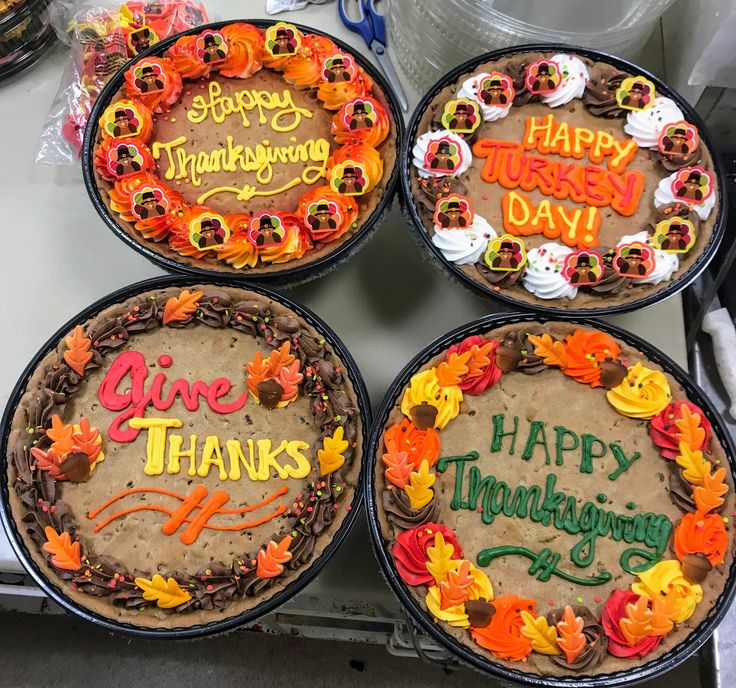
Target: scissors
372	27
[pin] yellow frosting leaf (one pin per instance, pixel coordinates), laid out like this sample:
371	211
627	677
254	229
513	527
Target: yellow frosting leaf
165	593
331	455
419	489
440	561
424	387
666	578
695	467
542	635
643	393
481	587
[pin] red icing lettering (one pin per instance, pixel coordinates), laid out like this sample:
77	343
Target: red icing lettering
129	370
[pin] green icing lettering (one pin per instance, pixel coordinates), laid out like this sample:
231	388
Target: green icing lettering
560	445
460	461
589	452
499	433
535	430
623	463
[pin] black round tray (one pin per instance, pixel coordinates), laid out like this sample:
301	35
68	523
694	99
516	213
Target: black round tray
27	55
424	619
300	581
286	275
538	306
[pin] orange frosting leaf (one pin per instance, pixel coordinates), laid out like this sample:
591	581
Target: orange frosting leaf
289	378
77	354
280	358
570	639
398	468
664	610
258	371
690	430
65	553
451	371
553	352
179	308
638	621
48	461
420	445
709	495
455	589
271	559
480	359
61	435
86	441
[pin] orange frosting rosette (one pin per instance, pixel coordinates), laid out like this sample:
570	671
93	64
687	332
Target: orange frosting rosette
126	119
278	62
179	238
155	82
118	158
245	54
295	244
185	60
346	205
586	350
334	95
701	534
503	635
345	129
238	251
304	70
366	156
419	445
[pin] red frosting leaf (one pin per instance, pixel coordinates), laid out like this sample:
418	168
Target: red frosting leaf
615	610
665	433
483	372
410	551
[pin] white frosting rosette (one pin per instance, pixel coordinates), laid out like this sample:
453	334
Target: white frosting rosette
420	150
663	196
645	126
469	90
464	246
574	77
543	276
665	264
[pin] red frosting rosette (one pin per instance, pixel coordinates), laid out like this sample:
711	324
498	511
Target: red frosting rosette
372	128
245	54
118	158
482	375
126	119
155	82
343	212
304	70
238	251
186	62
503	635
364	155
586	350
615	610
334	95
663	429
410	551
705	534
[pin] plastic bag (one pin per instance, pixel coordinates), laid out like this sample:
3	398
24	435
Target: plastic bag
102	40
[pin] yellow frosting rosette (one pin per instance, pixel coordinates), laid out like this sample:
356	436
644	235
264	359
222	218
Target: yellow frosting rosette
666	577
643	393
481	587
424	387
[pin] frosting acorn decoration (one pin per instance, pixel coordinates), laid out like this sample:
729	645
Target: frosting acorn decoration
244	56
124	119
274	381
362	119
155	82
118	158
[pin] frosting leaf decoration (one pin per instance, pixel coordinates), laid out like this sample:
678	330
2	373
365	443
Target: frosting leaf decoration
551	351
180	308
419	489
689	429
667	577
420	445
439	558
455	589
709	495
77	354
272	559
87	440
637	623
451	371
398	468
61	435
65	554
571	639
331	456
543	636
664	610
695	467
167	594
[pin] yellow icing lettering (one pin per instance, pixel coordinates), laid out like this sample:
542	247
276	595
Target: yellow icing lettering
536	130
212	456
582	140
561	140
623	154
267	459
156	443
235	454
175	453
603	145
303	467
518	213
544	218
167	148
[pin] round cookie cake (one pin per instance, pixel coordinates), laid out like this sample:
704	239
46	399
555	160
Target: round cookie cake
563	180
551	502
261	149
183	457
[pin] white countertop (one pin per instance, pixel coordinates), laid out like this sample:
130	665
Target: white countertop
386	303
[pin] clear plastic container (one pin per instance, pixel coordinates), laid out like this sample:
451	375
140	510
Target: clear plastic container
430	37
